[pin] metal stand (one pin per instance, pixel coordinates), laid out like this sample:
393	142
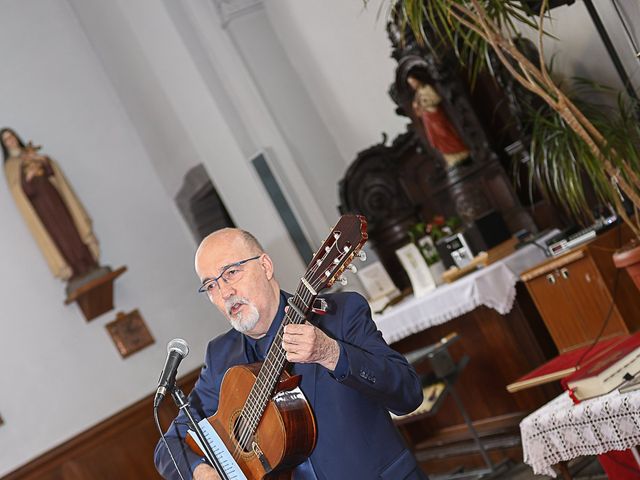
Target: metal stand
613	54
181	401
447	371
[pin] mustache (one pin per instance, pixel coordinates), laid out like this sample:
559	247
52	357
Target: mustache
234	300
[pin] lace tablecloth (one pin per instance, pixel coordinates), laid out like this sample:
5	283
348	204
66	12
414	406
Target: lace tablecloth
561	431
493	286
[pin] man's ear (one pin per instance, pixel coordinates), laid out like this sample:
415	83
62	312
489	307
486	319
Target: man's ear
267	265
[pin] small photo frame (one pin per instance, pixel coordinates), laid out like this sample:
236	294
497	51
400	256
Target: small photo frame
376	281
129	333
422	282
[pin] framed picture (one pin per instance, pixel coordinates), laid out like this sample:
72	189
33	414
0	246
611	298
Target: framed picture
417	269
376	281
129	333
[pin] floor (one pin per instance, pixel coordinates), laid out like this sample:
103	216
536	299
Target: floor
582	469
589	470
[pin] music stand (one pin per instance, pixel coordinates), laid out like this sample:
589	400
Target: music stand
446	370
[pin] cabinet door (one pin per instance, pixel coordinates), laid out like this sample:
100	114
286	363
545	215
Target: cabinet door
557	310
574	303
591	299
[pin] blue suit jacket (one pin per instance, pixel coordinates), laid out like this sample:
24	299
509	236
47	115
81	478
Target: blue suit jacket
356	436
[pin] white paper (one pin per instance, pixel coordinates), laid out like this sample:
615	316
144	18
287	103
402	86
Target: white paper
226	460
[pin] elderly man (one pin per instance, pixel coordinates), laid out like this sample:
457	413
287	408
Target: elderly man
350	376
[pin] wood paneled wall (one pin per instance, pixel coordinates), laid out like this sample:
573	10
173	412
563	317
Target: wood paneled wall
120	447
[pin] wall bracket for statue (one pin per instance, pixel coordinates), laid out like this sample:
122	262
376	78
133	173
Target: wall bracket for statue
59	224
94	293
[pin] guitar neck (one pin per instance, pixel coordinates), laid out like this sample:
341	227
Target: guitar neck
329	261
274	363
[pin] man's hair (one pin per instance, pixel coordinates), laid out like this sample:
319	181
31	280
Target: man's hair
251	241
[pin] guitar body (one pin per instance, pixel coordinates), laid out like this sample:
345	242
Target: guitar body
286	434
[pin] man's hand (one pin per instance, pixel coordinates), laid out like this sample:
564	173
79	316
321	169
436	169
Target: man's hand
205	472
308	344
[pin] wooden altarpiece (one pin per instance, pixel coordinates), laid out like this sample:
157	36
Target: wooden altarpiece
396	185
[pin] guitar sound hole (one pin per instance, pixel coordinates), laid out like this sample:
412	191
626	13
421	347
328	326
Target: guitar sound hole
242	438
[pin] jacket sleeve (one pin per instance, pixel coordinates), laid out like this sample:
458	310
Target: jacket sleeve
203	403
369	365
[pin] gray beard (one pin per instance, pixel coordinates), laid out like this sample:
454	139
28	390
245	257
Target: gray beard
242	322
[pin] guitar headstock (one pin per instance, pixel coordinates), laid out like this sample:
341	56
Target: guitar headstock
343	243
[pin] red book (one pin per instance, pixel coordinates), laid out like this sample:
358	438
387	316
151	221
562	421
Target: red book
606	371
562	365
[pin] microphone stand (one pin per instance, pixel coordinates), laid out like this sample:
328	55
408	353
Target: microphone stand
183	404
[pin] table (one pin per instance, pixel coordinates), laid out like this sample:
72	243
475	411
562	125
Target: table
501	333
493	286
561	431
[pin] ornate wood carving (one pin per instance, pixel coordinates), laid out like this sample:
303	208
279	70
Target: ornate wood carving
415	176
372	187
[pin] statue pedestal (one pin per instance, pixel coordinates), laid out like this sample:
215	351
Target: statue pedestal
95	297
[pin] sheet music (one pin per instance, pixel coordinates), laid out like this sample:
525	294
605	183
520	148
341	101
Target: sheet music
227	462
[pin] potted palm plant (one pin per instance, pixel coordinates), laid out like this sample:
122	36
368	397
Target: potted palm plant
579	140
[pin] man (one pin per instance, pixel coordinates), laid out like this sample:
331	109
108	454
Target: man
350	376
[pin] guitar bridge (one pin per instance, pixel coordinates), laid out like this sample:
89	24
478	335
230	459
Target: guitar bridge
261	457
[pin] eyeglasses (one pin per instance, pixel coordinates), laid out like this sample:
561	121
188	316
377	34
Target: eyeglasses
230	275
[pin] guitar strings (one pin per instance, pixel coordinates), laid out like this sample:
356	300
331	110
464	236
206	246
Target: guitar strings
259	395
271	374
253	408
268	373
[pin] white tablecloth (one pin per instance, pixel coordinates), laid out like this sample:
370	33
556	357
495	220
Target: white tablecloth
493	286
561	431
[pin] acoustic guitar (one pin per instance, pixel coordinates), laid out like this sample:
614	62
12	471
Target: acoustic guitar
263	418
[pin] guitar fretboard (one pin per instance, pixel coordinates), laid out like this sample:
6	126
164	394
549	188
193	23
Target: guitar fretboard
273	365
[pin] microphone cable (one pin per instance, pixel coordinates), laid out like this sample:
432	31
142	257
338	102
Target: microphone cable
164	440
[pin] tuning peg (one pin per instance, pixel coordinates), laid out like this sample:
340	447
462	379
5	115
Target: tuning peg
352	268
362	255
343	280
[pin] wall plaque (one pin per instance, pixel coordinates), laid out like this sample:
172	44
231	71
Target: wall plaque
129	333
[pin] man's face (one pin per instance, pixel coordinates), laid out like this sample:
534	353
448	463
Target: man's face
244	294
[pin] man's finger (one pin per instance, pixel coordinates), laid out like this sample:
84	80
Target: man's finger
296	329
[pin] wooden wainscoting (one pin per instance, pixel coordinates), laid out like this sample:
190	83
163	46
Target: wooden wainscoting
120	447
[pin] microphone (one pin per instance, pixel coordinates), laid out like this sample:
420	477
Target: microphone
177	349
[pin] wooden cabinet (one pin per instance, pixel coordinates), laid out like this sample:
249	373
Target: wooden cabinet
581	295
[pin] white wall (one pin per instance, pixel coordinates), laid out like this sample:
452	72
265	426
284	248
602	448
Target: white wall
60	374
341	52
578	50
178	99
